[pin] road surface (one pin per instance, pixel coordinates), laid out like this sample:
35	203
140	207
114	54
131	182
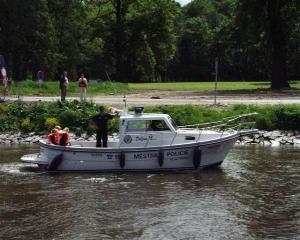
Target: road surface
147	100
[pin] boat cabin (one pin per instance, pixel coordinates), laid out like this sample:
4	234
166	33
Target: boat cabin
140	129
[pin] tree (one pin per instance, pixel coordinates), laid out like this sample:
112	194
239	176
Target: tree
41	40
271	17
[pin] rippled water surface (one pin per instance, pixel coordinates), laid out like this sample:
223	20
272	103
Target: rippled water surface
254	195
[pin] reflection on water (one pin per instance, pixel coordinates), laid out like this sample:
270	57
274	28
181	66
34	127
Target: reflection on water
254	195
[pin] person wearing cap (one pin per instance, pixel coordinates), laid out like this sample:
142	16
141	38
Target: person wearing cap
100	121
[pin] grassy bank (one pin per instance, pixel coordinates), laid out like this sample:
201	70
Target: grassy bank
51	88
209	86
29	88
41	117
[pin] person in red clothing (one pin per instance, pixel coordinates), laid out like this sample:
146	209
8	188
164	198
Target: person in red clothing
53	137
83	83
65	139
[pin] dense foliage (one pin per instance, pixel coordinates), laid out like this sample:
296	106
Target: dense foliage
152	40
41	117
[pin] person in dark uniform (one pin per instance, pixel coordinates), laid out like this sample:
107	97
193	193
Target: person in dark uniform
100	121
63	84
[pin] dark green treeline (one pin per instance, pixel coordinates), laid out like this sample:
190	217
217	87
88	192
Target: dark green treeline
152	40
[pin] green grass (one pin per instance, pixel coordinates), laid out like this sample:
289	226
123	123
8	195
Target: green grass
206	86
51	88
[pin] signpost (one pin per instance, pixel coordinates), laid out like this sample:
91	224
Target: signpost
216	78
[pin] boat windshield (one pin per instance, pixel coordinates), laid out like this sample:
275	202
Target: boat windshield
173	123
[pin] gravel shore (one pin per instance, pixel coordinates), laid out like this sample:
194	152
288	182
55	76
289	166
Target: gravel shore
274	138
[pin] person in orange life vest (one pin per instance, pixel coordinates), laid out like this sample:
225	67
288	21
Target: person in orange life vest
83	83
65	137
53	137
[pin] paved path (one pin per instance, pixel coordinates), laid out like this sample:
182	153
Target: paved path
117	100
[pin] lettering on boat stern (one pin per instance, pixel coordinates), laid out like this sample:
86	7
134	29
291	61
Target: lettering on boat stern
145	155
111	156
175	155
150	137
106	156
96	154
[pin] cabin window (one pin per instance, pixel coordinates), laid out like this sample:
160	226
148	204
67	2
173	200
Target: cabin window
157	125
147	125
137	125
173	123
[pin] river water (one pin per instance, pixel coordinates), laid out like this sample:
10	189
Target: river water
254	195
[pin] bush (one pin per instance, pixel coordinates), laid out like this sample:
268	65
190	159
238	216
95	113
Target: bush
265	123
40	116
25	125
69	118
288	118
78	132
51	122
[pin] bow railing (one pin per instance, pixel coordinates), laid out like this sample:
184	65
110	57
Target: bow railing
228	124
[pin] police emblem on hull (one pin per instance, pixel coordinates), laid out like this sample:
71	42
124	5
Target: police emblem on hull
127	139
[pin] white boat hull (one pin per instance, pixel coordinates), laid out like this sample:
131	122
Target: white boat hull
164	158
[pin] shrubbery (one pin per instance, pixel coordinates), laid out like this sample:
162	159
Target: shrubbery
51	122
40	117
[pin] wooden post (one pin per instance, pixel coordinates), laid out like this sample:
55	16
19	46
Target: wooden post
216	78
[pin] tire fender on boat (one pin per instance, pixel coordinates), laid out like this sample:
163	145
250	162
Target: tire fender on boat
122	160
197	158
56	161
161	156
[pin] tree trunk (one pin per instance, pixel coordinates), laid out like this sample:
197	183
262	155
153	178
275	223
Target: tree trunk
279	78
118	41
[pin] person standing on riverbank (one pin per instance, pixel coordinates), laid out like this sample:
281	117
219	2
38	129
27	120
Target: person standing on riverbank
83	83
40	78
3	77
63	84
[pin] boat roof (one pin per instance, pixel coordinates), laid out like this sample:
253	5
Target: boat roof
146	116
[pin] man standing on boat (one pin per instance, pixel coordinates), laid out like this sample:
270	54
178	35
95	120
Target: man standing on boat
100	121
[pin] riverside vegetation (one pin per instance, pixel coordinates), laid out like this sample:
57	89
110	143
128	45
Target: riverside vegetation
152	41
40	117
50	88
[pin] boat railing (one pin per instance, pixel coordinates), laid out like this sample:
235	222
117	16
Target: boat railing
228	124
232	124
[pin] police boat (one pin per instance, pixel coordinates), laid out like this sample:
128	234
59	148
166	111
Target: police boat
148	142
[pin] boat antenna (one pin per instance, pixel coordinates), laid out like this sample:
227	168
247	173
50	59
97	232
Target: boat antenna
125	101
